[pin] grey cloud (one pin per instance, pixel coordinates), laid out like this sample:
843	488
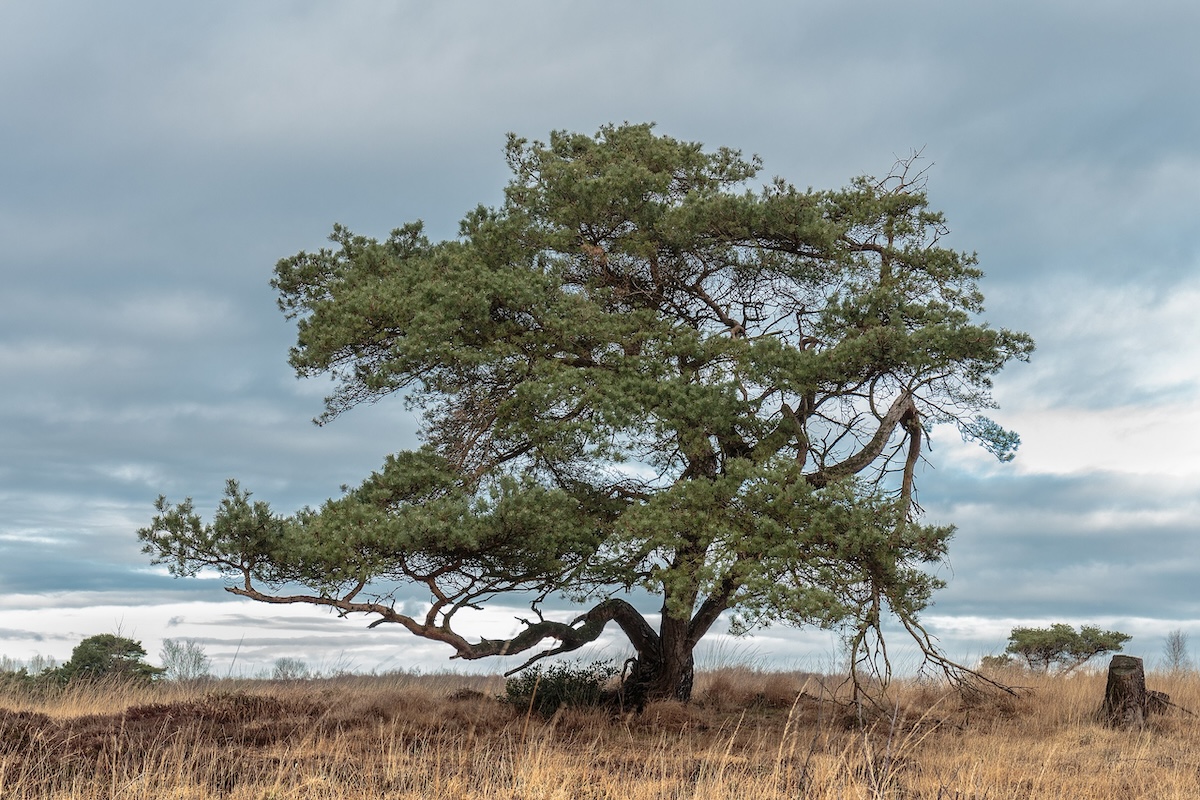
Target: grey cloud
161	159
81	564
1074	546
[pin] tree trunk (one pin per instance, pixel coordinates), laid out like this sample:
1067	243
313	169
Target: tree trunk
1125	694
1127	703
652	677
663	670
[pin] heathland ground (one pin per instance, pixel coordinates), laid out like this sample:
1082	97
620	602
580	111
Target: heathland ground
747	734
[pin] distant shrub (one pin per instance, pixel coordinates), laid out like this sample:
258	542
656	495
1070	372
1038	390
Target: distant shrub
561	684
1004	661
15	678
290	669
108	656
40	672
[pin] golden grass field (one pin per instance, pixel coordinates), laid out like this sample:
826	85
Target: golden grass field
746	735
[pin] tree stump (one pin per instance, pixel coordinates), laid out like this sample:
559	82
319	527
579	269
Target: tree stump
1127	704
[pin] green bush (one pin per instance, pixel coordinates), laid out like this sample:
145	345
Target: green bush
38	674
560	684
110	657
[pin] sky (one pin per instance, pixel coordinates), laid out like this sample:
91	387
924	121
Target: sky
156	160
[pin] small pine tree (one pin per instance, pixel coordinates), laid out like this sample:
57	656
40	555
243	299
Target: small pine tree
108	656
1062	647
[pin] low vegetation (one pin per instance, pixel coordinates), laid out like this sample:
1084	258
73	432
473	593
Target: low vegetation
747	734
547	689
106	656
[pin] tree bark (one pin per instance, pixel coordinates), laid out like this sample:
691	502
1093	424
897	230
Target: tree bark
658	675
1127	703
663	670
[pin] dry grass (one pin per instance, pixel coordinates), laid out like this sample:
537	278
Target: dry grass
748	735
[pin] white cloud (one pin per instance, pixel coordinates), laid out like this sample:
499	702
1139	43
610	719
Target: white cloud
1141	440
1111	388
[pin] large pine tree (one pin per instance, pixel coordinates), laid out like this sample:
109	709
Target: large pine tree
637	375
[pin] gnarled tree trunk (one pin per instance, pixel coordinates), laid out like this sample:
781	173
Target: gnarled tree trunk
664	668
658	675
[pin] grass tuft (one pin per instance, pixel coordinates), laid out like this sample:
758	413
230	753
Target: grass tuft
749	733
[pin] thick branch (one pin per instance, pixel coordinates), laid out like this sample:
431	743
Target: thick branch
711	609
902	409
582	630
912	424
346	605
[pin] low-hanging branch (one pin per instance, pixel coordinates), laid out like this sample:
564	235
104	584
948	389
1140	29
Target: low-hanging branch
639	376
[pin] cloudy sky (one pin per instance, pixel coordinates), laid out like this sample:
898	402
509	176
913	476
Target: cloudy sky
157	159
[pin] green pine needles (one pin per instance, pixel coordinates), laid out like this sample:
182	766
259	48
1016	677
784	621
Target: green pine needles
639	374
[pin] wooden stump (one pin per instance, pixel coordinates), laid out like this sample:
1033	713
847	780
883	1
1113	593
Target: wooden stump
1127	704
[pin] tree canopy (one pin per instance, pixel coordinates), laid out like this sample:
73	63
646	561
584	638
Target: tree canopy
1062	647
637	374
107	655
